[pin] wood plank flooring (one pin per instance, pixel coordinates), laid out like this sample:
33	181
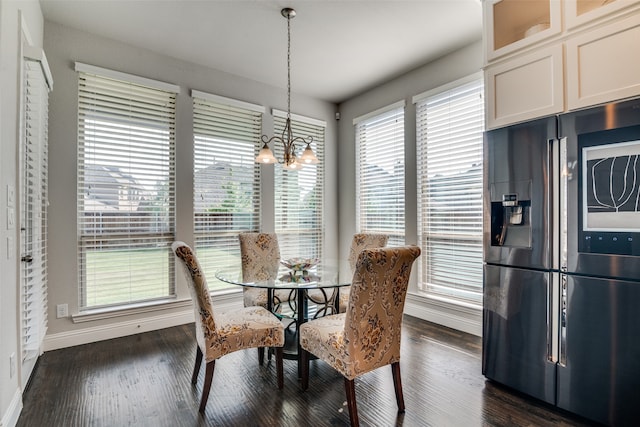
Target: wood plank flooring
144	380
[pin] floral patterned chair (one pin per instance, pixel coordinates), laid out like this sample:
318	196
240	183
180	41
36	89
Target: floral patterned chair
260	261
367	336
359	242
218	334
260	254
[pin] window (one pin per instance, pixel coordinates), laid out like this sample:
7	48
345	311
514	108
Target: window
299	194
450	124
126	188
380	172
226	178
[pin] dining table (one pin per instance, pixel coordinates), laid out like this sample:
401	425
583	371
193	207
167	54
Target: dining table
312	293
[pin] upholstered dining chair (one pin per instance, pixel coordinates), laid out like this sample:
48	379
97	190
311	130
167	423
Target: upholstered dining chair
260	258
218	334
260	255
367	335
359	242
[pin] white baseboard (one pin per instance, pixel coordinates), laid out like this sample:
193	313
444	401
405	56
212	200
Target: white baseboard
131	327
10	418
460	318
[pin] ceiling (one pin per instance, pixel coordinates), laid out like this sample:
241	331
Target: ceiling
338	48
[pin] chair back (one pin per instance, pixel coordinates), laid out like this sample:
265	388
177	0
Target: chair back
362	241
260	254
374	315
203	309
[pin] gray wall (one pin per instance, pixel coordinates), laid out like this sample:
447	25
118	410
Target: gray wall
456	65
64	46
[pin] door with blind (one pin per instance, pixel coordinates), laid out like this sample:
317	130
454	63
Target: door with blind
36	84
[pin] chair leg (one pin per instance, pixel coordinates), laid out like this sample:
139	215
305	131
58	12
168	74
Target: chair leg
279	367
350	388
261	355
305	369
208	377
395	369
196	368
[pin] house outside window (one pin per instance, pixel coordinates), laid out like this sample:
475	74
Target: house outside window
226	179
449	133
126	188
380	182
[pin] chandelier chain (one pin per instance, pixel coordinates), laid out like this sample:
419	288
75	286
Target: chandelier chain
288	66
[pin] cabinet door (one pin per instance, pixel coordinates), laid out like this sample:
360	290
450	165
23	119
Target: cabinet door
603	64
524	88
579	12
510	25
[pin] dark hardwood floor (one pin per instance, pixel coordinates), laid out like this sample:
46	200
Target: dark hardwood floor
144	380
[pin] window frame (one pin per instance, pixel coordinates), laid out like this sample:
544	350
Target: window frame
296	243
224	126
466	254
385	130
121	113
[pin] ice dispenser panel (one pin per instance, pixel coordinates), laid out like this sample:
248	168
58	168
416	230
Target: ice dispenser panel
511	214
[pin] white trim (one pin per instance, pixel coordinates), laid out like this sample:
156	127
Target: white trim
110	313
36	54
299	118
10	417
132	78
448	86
227	101
221	303
465	319
399	104
116	330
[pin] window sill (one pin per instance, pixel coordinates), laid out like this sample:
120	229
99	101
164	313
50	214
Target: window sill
160	305
129	310
448	303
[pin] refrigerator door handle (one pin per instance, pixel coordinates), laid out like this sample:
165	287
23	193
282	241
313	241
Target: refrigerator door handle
564	184
563	320
553	318
553	147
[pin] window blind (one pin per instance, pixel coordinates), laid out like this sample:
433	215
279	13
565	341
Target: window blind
226	179
126	191
299	195
33	221
450	126
380	175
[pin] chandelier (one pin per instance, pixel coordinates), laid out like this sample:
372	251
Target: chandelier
291	161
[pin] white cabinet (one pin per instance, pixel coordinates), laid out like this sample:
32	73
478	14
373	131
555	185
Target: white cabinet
526	87
511	25
602	65
549	56
579	12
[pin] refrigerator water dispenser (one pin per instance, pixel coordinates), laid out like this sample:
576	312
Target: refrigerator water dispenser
511	215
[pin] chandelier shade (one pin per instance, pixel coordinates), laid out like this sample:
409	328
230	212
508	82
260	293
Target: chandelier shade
290	143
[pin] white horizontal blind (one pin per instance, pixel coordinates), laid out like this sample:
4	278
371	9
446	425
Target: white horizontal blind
299	195
380	175
126	191
450	128
33	222
226	182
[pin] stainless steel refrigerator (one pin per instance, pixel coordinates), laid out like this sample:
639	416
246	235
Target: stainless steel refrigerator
561	318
